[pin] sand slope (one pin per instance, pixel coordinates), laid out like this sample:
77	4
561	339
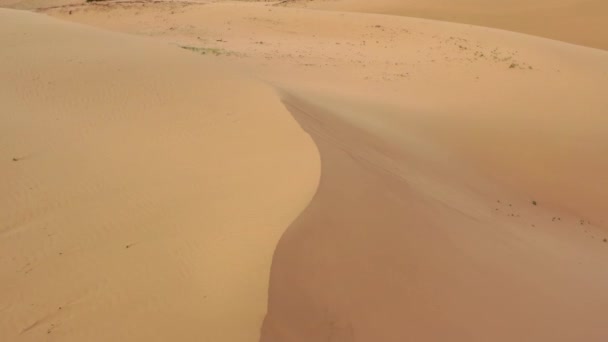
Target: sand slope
142	189
575	21
34	4
403	241
465	85
424	227
435	140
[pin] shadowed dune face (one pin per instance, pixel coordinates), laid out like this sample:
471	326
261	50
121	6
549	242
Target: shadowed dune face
574	21
462	194
400	245
143	188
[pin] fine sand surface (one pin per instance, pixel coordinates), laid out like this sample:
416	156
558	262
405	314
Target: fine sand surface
575	21
462	193
143	189
35	4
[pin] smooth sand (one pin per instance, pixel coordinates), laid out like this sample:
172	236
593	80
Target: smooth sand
462	194
575	21
149	190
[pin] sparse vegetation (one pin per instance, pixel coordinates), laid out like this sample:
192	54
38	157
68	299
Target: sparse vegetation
208	51
534	203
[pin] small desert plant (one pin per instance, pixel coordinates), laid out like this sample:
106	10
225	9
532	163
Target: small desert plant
207	51
534	203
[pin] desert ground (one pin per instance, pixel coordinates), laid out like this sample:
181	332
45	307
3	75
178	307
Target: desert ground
302	171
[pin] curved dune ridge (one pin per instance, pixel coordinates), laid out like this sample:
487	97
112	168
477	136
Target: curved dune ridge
575	21
465	208
143	189
456	192
400	244
35	4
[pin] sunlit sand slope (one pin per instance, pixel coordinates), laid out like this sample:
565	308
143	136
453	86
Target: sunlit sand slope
142	188
575	21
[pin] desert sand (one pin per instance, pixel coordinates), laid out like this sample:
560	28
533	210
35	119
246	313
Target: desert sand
147	195
575	21
304	171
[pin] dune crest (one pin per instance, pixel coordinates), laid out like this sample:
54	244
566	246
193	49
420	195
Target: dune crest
404	241
574	21
461	182
143	188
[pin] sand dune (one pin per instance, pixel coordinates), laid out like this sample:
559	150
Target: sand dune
462	191
404	241
516	92
143	188
575	21
35	4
